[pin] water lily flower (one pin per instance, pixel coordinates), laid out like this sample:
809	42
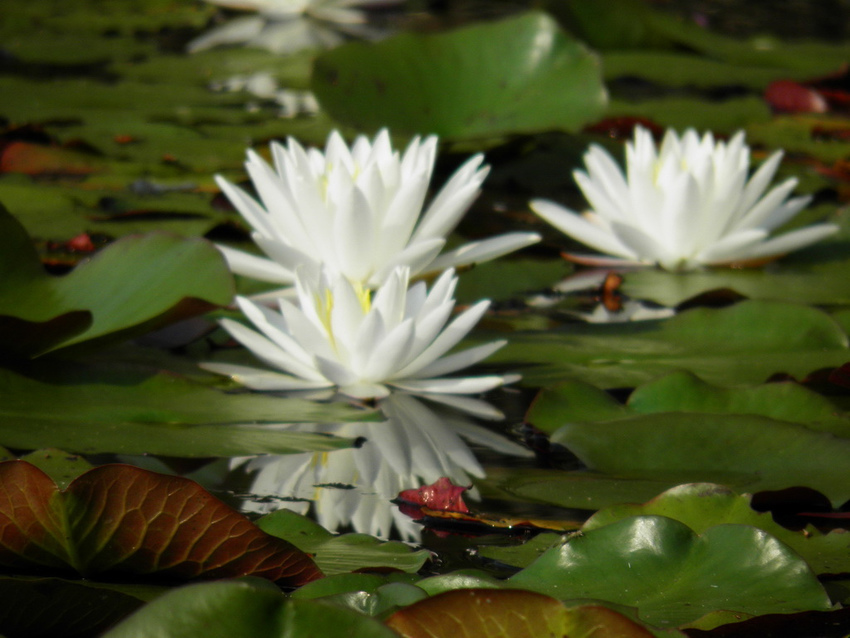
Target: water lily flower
418	443
287	26
358	211
344	336
685	205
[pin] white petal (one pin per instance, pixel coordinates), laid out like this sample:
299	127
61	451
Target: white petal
260	268
792	241
416	257
467	385
732	247
264	380
447	340
353	237
234	31
388	355
759	181
577	227
453	199
266	350
288	257
477	252
459	360
759	216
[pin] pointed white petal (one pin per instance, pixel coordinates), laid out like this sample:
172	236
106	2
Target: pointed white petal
792	241
264	380
447	340
260	268
467	385
579	228
759	216
477	252
459	360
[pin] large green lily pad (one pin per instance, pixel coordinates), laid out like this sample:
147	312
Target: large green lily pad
703	505
682	391
517	75
674	576
244	608
750	451
129	413
745	343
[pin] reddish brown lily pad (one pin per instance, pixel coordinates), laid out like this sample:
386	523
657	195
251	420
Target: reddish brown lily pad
506	613
120	519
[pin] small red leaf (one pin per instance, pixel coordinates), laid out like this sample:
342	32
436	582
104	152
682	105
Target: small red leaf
38	159
440	495
122	519
787	96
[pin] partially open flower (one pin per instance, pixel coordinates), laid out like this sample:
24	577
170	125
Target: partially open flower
357	211
686	205
345	336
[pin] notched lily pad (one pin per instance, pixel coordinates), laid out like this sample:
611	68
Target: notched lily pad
119	519
130	287
674	576
703	505
518	75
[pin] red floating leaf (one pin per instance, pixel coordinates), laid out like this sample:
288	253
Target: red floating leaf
38	159
507	613
787	96
122	519
440	495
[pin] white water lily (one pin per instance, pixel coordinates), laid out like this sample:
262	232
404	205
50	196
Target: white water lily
685	205
358	211
287	26
344	336
417	444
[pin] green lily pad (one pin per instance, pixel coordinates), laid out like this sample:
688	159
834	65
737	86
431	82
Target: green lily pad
817	275
244	608
517	75
579	489
674	576
747	451
745	343
130	287
703	505
341	554
129	413
576	401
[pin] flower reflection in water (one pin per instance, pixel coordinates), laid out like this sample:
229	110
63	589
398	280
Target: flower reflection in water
417	443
